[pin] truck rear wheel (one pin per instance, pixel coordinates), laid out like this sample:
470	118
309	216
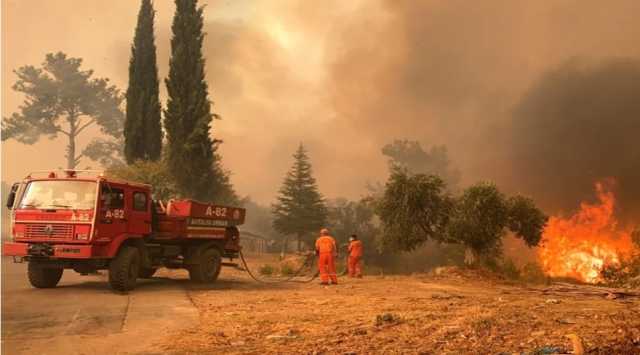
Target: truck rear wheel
124	269
208	267
43	277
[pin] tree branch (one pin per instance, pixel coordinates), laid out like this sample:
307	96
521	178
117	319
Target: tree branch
63	131
76	160
88	123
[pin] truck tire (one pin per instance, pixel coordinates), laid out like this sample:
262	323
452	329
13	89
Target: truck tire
208	267
146	272
124	269
42	277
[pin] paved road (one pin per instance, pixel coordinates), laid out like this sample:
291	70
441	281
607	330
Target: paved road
83	316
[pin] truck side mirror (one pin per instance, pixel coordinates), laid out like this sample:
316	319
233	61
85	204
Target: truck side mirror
12	195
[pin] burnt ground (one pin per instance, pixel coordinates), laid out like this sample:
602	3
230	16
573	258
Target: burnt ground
452	313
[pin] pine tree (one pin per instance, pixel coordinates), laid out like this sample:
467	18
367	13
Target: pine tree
61	99
191	152
142	133
300	209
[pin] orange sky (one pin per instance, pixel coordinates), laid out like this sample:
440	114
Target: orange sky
344	78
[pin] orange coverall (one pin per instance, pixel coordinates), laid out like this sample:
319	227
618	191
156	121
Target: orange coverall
355	254
326	247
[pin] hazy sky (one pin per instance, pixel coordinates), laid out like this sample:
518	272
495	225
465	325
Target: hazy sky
343	77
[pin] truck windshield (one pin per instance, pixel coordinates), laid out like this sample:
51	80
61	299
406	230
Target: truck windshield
60	194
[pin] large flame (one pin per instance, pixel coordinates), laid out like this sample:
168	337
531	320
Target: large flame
581	245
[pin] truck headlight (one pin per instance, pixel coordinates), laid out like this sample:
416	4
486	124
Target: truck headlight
82	232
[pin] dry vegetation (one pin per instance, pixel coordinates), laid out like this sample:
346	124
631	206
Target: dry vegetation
446	312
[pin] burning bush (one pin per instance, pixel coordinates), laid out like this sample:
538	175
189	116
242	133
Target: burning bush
586	243
624	274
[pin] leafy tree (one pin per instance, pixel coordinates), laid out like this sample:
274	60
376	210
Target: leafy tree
351	217
191	152
410	155
478	220
223	191
154	173
299	209
356	217
526	220
413	210
142	132
62	99
482	215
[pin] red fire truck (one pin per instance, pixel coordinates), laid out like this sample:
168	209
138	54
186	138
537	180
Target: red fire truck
85	221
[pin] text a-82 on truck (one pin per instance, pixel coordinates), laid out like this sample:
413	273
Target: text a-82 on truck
85	222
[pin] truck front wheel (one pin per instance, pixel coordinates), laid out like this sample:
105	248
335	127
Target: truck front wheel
42	277
208	267
124	269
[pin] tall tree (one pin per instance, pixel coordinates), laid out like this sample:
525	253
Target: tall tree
413	210
300	209
142	131
191	152
62	99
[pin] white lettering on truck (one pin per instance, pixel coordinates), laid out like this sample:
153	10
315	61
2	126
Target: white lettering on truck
216	211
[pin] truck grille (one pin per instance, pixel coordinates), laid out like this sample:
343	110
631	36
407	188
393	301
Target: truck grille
48	231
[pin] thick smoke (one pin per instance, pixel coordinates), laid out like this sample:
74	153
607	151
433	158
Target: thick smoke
576	125
475	78
344	77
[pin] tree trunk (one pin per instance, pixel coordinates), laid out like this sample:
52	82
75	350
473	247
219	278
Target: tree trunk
285	245
469	256
71	146
71	152
299	246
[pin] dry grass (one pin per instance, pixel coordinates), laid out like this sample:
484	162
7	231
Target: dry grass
450	313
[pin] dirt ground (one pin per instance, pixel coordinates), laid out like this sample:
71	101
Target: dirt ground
452	313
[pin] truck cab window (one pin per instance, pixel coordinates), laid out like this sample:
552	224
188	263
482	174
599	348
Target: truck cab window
139	201
112	198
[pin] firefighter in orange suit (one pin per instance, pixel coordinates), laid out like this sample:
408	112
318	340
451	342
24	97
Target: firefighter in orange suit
327	252
355	255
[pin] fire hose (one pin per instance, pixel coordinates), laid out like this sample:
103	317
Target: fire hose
308	262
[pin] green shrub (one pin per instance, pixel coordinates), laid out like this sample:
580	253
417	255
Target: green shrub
266	269
287	270
625	274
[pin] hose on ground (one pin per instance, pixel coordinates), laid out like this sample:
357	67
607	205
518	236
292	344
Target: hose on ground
307	262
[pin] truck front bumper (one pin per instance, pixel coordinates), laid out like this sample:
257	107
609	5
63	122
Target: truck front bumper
58	251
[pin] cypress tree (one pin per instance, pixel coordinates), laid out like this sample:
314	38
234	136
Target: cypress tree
142	133
191	152
300	209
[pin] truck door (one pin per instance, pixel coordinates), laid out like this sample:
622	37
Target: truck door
112	219
140	220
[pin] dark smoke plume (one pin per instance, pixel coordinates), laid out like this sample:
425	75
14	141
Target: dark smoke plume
577	125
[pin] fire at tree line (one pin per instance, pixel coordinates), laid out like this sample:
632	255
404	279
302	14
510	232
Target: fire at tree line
172	149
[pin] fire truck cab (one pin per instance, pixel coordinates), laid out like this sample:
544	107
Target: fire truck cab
85	221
